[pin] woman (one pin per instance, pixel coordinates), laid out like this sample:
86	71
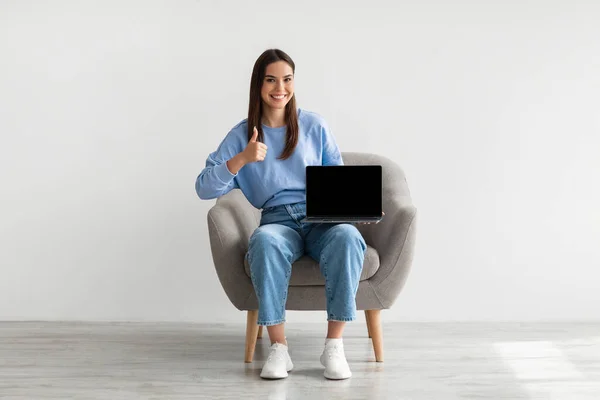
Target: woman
265	156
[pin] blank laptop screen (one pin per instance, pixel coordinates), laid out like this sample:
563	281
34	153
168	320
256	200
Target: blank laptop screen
349	190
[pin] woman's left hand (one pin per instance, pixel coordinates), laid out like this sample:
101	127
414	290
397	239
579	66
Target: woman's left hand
369	223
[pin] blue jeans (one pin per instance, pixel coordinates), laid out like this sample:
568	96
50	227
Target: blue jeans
281	239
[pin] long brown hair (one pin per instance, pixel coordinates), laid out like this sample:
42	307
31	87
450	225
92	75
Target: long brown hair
255	108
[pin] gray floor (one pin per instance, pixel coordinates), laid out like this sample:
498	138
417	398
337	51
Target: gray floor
194	361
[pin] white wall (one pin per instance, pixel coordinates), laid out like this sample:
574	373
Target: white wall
109	109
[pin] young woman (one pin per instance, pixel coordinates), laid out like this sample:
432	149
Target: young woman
265	157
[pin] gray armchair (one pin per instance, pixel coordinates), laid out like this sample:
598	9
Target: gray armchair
232	220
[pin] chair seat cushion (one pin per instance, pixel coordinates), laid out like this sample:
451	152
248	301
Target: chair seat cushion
306	271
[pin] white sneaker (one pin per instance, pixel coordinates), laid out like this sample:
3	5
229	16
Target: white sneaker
278	363
334	360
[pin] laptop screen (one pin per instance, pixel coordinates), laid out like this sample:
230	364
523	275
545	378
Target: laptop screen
345	190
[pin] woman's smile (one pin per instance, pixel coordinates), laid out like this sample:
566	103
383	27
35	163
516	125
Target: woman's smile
279	97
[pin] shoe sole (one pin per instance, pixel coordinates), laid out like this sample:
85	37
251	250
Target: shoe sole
336	378
278	376
274	377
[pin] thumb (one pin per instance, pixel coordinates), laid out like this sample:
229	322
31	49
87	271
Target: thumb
254	136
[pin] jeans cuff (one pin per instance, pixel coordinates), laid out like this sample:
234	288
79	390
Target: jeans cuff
332	317
269	323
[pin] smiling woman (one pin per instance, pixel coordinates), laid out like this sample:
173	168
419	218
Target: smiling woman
266	157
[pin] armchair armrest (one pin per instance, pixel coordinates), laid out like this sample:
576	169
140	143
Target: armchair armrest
230	225
393	238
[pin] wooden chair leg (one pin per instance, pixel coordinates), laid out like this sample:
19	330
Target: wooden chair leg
374	318
368	327
260	329
251	334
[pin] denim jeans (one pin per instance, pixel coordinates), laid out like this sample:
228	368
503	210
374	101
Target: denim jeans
281	239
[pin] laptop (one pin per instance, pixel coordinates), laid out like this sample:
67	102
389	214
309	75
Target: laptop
343	193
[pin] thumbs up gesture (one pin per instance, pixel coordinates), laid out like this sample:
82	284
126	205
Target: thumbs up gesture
255	150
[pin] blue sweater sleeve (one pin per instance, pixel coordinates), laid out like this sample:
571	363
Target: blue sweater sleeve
215	180
331	152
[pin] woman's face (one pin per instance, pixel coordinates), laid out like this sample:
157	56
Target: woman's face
278	86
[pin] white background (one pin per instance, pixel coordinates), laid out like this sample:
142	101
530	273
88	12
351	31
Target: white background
109	109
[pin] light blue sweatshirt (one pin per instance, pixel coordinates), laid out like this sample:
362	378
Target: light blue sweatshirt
270	182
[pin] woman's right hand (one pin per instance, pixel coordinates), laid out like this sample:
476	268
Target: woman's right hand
255	151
